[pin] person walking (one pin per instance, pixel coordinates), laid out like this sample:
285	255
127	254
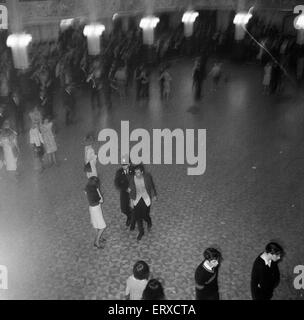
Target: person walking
95	200
69	104
265	275
37	145
8	141
206	276
48	137
267	77
90	157
121	181
165	80
142	192
18	108
94	80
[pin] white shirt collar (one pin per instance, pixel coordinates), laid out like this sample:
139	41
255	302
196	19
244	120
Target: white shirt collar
267	262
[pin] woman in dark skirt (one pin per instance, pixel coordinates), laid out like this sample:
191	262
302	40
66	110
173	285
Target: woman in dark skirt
206	276
95	200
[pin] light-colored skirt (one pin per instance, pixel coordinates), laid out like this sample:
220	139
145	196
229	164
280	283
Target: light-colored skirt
97	219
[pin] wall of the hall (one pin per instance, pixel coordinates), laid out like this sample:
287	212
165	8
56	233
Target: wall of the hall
42	18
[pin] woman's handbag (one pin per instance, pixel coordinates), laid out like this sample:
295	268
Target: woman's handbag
87	167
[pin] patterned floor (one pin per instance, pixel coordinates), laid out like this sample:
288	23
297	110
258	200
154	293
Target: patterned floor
251	193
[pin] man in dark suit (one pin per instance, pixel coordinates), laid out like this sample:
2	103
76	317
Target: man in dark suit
265	276
18	109
142	193
121	182
69	104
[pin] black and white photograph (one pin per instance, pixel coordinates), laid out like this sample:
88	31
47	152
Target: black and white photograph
152	150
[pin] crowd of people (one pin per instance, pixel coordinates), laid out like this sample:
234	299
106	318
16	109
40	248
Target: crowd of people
66	66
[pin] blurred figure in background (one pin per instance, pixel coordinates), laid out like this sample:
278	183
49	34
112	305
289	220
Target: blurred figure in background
69	105
48	137
8	141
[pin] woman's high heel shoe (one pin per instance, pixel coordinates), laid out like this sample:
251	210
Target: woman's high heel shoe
98	246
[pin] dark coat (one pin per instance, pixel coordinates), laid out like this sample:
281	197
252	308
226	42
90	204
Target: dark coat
264	279
68	100
122	184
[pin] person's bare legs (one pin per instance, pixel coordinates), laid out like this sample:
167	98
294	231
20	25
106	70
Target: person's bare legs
53	158
99	233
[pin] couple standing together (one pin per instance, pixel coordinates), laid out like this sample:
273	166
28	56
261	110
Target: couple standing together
137	191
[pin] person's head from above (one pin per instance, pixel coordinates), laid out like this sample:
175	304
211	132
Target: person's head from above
212	257
154	291
139	170
141	270
89	139
36	108
274	251
125	162
93	182
46	120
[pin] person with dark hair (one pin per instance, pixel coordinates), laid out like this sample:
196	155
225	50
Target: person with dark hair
18	108
206	276
90	157
48	137
265	275
94	80
154	291
95	200
142	192
69	104
138	281
121	181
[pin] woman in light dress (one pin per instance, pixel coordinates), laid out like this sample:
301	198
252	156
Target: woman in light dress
267	77
8	141
95	200
90	156
49	141
37	142
167	79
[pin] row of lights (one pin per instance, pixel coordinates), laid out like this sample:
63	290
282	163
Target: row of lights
19	42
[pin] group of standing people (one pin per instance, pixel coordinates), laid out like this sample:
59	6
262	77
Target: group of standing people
137	192
265	274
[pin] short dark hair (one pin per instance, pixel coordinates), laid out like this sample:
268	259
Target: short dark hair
93	182
141	270
154	291
212	254
139	167
274	248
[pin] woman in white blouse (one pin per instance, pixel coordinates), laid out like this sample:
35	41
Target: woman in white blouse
38	149
90	157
